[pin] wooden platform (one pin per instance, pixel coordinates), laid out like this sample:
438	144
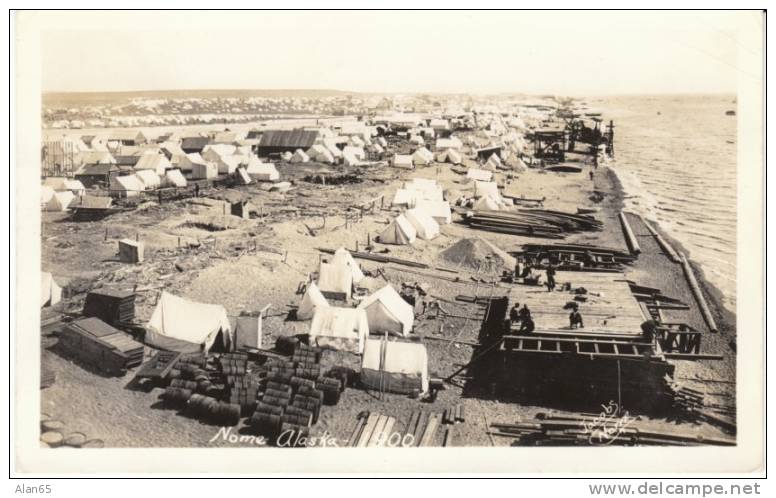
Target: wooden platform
613	311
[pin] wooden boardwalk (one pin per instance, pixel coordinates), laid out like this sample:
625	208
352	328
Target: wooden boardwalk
610	307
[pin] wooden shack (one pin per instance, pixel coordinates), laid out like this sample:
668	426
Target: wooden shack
95	343
111	306
131	251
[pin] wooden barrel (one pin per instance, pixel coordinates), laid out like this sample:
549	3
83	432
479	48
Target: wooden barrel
302	417
184	384
75	439
275	393
176	395
270	400
280	377
267	424
52	426
174	373
226	414
279	386
331	392
312	393
312	372
298	382
52	439
310	404
267	408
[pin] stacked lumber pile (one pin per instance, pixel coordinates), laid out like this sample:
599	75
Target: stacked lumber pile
591	430
533	222
693	405
377	430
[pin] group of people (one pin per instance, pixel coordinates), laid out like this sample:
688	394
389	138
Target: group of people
523	317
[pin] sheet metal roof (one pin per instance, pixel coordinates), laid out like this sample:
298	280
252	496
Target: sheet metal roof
300	139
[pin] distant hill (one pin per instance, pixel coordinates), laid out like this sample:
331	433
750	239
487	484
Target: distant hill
68	99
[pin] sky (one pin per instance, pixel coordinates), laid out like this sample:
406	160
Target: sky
568	53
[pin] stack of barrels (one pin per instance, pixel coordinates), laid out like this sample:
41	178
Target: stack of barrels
188	377
240	387
214	411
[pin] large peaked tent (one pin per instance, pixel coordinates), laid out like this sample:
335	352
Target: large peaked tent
178	324
388	312
426	227
342	257
400	232
340	328
393	366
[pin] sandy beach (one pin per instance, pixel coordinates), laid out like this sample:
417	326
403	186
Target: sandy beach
257	262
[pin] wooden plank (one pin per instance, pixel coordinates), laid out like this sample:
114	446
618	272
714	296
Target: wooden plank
369	427
354	436
374	438
428	433
448	441
422	422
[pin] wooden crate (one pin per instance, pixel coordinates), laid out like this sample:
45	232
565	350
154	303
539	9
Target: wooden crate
131	251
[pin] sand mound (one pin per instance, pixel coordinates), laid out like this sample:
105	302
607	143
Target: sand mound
477	253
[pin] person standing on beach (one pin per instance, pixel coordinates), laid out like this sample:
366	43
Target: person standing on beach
591	175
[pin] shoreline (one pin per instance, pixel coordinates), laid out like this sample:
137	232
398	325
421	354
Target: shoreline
725	318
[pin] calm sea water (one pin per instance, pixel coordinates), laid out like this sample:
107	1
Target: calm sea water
676	159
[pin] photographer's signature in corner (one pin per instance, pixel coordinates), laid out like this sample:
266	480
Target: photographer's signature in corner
606	427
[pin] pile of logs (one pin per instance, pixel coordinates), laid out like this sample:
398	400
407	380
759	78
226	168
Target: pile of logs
533	222
587	430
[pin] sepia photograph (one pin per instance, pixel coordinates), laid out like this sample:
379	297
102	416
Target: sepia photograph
384	230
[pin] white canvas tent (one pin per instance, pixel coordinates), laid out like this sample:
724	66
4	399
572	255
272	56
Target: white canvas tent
388	312
343	258
262	172
178	324
60	201
487	203
404	197
479	175
126	186
203	171
344	329
422	157
402	161
335	281
311	301
300	157
153	162
149	178
174	178
439	210
427	228
393	366
400	232
46	193
50	292
483	189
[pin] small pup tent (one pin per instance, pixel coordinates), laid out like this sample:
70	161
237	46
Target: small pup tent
345	329
400	232
311	301
425	226
388	312
422	157
178	324
343	258
50	292
335	281
397	367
